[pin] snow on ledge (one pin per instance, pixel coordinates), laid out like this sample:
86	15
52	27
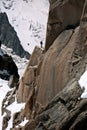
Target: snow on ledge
83	84
15	107
22	123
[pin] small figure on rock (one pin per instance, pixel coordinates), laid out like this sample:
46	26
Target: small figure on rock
41	43
28	44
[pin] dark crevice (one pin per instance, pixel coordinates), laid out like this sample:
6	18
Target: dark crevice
72	26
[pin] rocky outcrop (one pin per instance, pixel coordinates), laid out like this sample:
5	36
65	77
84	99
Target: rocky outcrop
63	14
64	112
28	81
63	61
9	70
49	85
53	67
59	65
9	37
65	58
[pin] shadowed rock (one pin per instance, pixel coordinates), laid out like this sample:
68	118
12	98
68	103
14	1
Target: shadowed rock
63	14
9	37
64	112
7	69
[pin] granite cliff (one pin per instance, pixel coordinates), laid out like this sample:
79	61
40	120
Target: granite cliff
49	86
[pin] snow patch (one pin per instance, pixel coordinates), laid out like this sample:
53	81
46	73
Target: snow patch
15	107
83	84
3	91
23	122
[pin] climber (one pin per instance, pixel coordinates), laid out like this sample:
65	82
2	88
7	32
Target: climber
41	43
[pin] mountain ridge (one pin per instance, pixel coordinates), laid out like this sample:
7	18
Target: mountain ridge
8	36
24	14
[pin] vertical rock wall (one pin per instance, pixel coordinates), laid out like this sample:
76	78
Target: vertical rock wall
62	14
61	61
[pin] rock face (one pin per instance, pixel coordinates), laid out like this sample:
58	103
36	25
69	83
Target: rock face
64	58
63	14
27	82
9	37
62	107
58	66
49	85
66	111
63	112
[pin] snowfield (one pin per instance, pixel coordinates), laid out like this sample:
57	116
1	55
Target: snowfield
29	19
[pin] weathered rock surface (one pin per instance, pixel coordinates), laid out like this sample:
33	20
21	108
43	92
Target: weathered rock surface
64	112
63	14
27	82
65	59
9	37
49	85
